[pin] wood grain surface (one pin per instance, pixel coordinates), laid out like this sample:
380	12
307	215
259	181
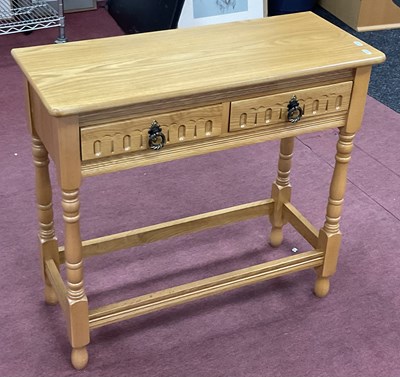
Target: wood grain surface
86	76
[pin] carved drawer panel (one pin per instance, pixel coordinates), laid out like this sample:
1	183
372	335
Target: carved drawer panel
131	135
272	110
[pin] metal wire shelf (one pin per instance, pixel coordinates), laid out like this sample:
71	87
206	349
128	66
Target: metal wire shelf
18	16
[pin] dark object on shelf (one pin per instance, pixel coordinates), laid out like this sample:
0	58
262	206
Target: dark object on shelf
276	7
138	16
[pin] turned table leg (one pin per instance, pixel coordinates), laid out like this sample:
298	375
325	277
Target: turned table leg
78	316
281	190
330	236
47	239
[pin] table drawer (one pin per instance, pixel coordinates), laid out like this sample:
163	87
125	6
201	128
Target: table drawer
127	136
272	110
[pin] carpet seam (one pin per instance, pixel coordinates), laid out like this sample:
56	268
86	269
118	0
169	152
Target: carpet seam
352	182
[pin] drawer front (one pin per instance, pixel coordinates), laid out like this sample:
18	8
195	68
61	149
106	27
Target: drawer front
127	136
272	110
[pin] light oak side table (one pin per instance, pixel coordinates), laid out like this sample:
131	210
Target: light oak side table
105	105
365	15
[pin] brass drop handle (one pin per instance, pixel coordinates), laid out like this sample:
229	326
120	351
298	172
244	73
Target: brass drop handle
156	137
295	112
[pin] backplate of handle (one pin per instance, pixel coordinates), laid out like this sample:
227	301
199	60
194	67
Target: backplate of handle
156	137
295	112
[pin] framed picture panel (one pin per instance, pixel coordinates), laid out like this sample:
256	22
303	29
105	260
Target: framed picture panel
76	5
206	12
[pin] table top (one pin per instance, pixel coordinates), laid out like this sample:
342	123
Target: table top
85	76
